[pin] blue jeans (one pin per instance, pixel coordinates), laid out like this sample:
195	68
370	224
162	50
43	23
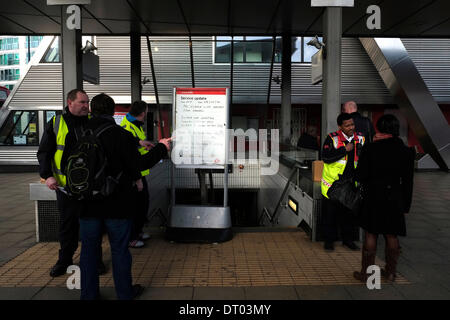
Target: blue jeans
91	237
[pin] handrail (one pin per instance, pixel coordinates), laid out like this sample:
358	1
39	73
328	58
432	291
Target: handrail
291	176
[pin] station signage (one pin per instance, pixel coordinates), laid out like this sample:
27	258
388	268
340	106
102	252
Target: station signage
200	127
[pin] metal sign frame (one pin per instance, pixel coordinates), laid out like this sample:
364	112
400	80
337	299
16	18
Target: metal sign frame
198	166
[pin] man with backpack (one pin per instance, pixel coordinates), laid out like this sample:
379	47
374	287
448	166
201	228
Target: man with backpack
117	160
52	156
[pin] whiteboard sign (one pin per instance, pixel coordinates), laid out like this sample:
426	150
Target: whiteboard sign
118	117
200	124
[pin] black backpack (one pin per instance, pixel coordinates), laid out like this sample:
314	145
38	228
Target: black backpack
87	168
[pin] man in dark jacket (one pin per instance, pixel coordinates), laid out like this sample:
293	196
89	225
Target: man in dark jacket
340	154
52	156
362	124
114	211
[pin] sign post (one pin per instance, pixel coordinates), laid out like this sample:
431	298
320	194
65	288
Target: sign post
200	122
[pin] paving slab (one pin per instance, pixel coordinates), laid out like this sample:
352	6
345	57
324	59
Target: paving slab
219	293
271	293
156	293
322	293
423	292
18	293
387	292
57	294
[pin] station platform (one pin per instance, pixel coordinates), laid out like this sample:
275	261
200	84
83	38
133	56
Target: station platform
257	264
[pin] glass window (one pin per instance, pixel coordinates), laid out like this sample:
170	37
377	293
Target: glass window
9	43
309	51
52	54
259	49
20	128
34	41
10	74
49	115
9	59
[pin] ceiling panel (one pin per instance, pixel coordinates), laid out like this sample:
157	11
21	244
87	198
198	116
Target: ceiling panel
258	17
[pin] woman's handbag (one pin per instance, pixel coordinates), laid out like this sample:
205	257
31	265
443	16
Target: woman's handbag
345	192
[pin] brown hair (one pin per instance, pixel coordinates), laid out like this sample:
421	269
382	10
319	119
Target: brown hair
72	94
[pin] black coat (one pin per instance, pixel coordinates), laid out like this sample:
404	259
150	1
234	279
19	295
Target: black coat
363	125
47	147
385	170
122	156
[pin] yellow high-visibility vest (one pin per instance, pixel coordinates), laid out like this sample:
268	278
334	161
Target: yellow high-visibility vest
61	130
331	171
136	132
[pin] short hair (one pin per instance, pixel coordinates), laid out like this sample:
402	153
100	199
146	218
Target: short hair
343	117
102	104
138	107
72	94
388	123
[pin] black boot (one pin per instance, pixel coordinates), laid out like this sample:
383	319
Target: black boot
368	259
390	270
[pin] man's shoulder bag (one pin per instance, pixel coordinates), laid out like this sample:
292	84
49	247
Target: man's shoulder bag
345	192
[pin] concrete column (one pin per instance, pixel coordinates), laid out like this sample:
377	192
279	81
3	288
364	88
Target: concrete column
331	87
136	73
71	56
285	112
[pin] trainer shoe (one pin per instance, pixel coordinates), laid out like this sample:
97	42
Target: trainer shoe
144	236
328	246
101	268
136	244
58	270
137	290
351	245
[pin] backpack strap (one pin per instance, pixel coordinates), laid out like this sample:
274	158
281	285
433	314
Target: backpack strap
103	128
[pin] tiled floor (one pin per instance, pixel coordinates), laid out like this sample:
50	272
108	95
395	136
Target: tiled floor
249	259
262	265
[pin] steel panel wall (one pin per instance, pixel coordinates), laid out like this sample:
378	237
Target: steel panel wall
431	57
360	80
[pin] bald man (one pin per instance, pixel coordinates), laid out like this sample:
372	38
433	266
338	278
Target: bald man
362	124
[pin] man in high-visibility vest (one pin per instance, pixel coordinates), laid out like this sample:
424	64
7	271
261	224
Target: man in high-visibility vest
134	122
52	156
340	156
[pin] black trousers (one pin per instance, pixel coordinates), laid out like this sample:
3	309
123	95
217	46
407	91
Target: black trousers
69	227
335	216
141	210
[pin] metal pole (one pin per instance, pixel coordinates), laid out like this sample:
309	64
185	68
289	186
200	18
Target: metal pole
136	73
285	112
271	69
331	88
192	61
155	86
72	66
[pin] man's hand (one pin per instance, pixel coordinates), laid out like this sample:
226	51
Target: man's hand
146	144
51	183
166	142
139	185
349	147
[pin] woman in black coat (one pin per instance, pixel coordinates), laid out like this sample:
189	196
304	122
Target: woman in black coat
385	171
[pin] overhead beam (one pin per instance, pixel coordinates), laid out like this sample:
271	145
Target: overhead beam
412	96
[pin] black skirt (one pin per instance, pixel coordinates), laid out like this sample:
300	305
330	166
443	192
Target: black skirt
382	213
